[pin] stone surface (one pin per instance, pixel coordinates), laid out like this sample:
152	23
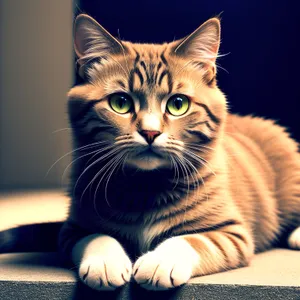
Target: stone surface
28	207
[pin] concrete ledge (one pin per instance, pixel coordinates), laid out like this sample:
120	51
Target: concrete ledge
65	291
272	275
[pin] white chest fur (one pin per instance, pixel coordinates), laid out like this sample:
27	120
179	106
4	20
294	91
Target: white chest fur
142	235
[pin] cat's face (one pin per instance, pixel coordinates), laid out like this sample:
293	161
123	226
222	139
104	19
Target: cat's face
152	106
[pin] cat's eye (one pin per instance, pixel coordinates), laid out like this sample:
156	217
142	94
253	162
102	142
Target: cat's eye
121	103
178	105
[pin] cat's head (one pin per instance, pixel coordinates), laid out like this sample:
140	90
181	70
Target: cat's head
150	106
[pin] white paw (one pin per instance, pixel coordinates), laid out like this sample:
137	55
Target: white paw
105	272
294	239
103	263
168	266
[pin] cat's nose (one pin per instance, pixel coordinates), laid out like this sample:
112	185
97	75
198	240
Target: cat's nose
149	135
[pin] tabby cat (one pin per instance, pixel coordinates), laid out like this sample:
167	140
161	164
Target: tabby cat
166	184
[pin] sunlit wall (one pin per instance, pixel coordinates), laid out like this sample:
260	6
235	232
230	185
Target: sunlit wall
36	71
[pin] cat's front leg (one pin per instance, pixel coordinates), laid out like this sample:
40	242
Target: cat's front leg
102	262
178	259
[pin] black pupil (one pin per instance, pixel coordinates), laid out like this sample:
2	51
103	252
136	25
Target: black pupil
122	102
178	103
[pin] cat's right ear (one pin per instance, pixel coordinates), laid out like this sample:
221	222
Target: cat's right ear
202	44
92	41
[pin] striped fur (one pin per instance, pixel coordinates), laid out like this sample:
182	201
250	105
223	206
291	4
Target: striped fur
222	188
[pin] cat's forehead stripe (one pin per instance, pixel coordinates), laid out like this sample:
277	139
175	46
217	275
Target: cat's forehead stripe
157	70
151	73
162	56
121	83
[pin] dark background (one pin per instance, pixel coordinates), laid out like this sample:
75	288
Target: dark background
261	39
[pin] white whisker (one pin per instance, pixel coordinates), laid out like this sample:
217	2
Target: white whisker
77	149
116	164
107	166
73	161
61	129
91	165
200	160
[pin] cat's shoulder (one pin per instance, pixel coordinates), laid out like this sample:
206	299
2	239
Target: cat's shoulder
250	124
261	130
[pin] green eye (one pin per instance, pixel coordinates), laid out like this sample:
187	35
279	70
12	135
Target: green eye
121	103
178	105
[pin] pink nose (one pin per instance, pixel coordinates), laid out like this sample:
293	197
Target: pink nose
149	135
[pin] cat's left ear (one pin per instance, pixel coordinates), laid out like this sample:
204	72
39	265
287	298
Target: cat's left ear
201	45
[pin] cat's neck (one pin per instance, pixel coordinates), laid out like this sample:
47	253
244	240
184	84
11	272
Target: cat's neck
129	190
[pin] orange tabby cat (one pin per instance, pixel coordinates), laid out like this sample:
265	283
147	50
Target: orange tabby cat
167	184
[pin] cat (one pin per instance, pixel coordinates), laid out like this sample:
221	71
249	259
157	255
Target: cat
166	183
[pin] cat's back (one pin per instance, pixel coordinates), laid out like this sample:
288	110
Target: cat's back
261	138
264	172
261	146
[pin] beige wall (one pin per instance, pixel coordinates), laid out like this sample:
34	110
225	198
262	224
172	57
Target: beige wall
36	68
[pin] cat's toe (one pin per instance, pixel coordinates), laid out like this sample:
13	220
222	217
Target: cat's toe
105	273
294	239
155	272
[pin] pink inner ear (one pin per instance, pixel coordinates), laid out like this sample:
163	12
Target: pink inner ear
80	39
205	42
214	49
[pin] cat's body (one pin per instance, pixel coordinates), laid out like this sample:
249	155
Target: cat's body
166	184
250	178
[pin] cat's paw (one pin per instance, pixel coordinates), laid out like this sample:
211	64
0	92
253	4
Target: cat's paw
294	239
103	263
168	266
105	272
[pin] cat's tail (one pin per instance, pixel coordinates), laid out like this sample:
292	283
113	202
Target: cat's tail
41	237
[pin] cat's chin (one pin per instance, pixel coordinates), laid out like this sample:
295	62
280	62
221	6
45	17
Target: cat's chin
147	160
148	163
